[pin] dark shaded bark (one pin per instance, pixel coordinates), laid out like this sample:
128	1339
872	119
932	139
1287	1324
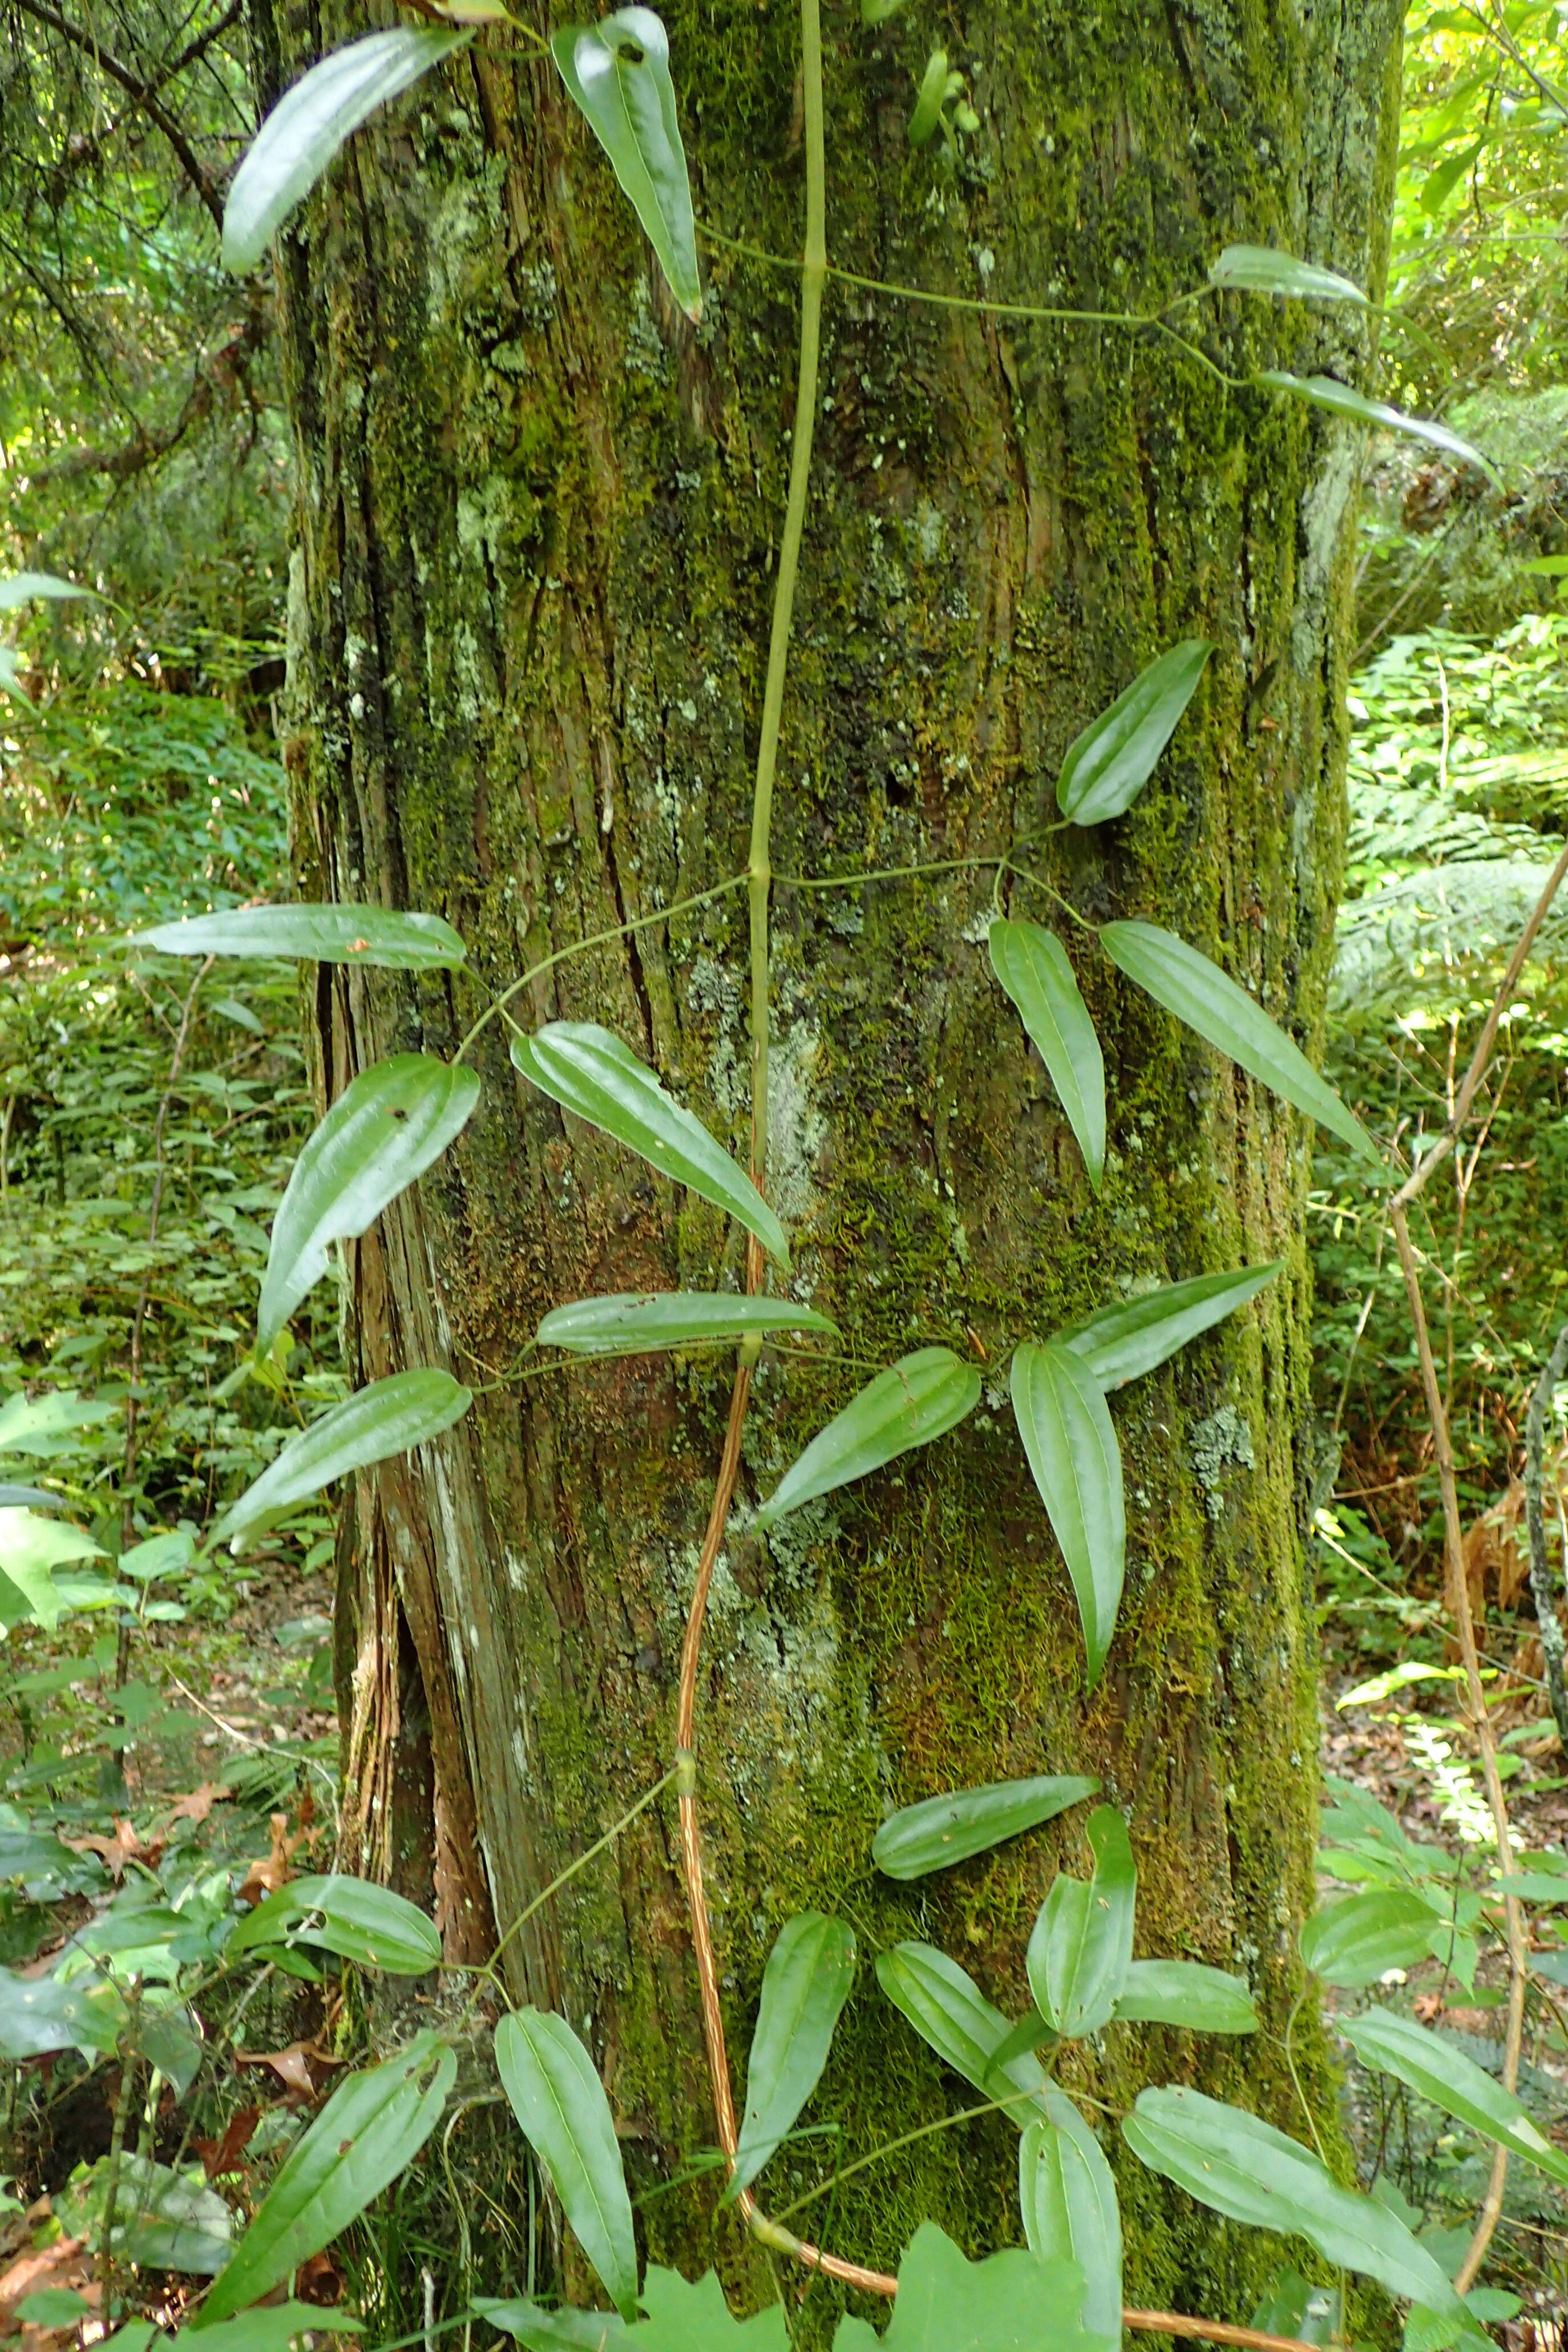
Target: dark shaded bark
529	615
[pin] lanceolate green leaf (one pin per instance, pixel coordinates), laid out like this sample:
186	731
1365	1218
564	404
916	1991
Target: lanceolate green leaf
388	1127
947	2009
371	2127
23	587
310	122
1032	965
1067	1436
945	1830
357	1920
1187	985
617	72
928	99
1109	764
1121	1343
638	1323
1354	1942
1067	2198
589	1073
326	934
563	2330
405	1410
1434	2066
914	1400
1184	1992
1325	392
1258	269
559	2100
1082	1941
1236	2165
804	1986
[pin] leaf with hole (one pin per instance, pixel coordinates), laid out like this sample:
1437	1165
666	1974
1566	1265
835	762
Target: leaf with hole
1326	391
928	99
1437	2069
559	2100
1082	1940
1187	985
351	1916
385	1130
26	587
948	2009
38	2014
1032	965
1356	1940
370	2129
805	1987
617	74
1258	269
1011	2302
389	1416
1070	1443
639	1323
378	936
1121	1343
591	1074
1068	2200
169	2220
310	122
945	1830
1239	2166
1107	765
1184	1992
916	1400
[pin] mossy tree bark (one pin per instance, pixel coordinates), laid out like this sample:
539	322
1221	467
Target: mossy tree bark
537	526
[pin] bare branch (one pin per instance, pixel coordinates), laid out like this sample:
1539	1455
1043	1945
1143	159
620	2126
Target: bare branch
144	94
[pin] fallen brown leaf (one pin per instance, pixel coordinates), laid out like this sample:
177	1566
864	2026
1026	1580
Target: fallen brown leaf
291	2066
114	1852
66	2264
198	1803
267	1877
223	2154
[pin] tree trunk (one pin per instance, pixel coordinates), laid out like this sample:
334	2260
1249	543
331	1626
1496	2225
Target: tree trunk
538	522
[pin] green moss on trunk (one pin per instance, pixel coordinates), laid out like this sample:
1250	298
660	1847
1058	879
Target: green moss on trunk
537	525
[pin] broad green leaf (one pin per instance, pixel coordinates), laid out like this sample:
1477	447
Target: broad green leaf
389	1416
1032	965
1067	2198
159	1556
23	587
636	1323
169	2220
559	2100
945	1830
379	936
1068	1436
1184	1992
1326	391
618	73
1435	2067
272	2327
310	122
1292	2305
928	99
370	2129
804	1986
44	1426
31	1548
1082	1940
1243	2168
387	1128
589	1073
685	2318
1355	1940
1011	2302
359	1921
1187	985
564	2330
52	2307
40	2013
1109	764
916	1400
171	2042
1258	269
877	12
1121	1343
947	2009
46	1868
